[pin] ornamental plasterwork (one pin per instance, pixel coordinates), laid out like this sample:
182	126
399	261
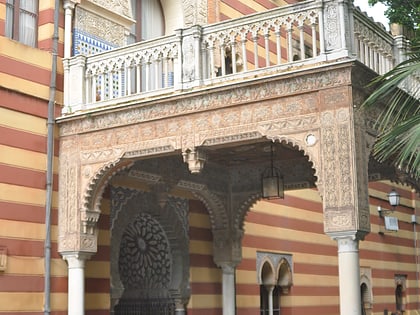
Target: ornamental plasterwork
339	165
121	7
278	95
157	137
142	135
145	260
103	29
332	35
195	12
153	234
276	261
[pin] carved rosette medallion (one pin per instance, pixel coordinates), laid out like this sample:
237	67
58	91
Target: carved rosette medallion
145	259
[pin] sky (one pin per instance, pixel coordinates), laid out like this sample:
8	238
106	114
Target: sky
376	12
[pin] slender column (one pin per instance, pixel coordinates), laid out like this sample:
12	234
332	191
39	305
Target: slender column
76	282
228	289
180	307
68	14
270	290
349	274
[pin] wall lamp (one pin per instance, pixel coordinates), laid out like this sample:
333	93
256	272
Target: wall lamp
271	181
394	201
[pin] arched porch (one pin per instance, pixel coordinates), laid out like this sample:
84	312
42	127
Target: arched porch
212	145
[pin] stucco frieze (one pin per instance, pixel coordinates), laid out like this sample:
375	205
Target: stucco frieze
279	98
118	6
195	12
103	29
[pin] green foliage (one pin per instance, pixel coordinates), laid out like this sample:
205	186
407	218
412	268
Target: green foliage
404	12
399	121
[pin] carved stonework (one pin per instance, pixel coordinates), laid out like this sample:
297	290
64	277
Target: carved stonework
281	270
146	242
332	27
311	111
227	247
189	62
145	260
100	28
121	7
195	12
279	97
344	172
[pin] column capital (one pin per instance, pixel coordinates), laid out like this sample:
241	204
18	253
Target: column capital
227	248
347	235
228	267
347	244
76	259
70	4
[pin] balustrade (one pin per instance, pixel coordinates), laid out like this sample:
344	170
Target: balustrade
303	34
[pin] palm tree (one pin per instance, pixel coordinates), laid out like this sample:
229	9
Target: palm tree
398	124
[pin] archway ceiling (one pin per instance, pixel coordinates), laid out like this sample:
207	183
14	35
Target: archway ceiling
236	168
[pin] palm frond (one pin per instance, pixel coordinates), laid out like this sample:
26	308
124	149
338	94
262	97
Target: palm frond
397	95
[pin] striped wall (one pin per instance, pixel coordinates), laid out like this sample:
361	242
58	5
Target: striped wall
231	9
205	276
291	226
295	226
98	268
24	92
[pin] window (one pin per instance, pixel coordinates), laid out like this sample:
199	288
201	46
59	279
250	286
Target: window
366	290
149	17
400	291
21	21
275	279
267	294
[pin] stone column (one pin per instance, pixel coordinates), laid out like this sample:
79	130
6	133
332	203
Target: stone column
180	307
349	274
228	289
68	16
344	189
76	282
270	290
227	255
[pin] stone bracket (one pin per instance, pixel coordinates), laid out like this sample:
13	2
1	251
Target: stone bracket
195	158
89	219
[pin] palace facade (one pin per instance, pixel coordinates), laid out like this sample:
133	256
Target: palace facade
199	157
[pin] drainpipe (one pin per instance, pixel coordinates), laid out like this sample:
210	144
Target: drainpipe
50	157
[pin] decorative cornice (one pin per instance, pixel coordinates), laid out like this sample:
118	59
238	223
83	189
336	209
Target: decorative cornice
274	90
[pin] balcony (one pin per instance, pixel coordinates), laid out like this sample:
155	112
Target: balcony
287	39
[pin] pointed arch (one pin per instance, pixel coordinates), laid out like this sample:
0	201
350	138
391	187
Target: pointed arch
267	272
284	275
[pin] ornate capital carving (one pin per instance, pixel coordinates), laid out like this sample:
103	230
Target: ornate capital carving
195	158
227	250
76	260
89	219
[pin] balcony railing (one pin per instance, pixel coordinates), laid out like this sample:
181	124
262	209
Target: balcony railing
282	39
